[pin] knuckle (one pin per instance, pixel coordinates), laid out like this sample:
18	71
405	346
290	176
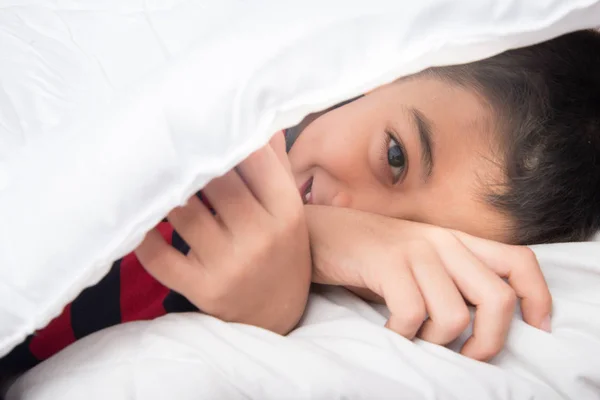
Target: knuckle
442	235
457	322
528	256
506	299
538	289
413	317
490	348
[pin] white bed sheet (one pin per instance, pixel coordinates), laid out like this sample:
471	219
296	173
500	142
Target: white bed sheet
341	350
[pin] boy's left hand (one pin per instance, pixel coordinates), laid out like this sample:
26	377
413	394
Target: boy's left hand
251	262
425	274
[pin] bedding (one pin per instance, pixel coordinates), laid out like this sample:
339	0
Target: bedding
341	350
112	112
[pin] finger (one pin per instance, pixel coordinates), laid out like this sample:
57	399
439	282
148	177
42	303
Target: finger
494	300
277	143
405	302
519	265
198	227
167	265
448	313
232	200
269	182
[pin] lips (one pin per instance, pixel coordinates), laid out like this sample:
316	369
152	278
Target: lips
306	191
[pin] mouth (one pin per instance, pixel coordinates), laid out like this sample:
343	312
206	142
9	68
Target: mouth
306	191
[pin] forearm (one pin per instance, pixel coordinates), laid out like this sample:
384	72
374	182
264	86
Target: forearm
323	239
339	239
337	249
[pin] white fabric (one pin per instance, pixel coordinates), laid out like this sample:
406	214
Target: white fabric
340	351
112	112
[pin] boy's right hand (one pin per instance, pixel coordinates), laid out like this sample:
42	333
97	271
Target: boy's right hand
424	271
251	262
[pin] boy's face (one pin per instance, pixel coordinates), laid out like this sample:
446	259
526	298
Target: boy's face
419	149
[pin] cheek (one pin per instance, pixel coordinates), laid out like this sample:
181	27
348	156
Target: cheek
456	202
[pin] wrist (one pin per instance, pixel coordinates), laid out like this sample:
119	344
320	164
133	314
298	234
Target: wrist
333	241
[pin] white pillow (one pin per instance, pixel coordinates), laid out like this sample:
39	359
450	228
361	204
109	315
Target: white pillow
341	350
113	112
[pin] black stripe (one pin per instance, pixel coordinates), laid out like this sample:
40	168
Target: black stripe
98	306
179	244
18	360
174	303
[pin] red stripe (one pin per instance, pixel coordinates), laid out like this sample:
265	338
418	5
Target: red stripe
142	296
57	335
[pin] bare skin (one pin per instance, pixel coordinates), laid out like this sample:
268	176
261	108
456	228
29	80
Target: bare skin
345	152
393	185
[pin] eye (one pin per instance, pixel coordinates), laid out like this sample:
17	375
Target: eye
396	158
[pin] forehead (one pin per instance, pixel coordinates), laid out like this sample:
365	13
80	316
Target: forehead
462	123
450	105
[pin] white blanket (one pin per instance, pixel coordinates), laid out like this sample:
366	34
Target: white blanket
340	351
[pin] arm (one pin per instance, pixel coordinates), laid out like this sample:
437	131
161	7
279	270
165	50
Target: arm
424	274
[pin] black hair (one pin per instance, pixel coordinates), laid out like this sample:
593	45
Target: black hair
546	101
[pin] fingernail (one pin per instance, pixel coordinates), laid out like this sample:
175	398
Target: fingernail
546	324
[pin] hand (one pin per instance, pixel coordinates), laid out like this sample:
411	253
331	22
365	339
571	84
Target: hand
250	263
421	270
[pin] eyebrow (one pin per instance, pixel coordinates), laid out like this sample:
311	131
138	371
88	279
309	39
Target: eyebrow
424	127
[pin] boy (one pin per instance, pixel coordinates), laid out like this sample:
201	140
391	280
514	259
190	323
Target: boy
503	150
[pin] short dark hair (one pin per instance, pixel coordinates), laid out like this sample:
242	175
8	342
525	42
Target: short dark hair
546	99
